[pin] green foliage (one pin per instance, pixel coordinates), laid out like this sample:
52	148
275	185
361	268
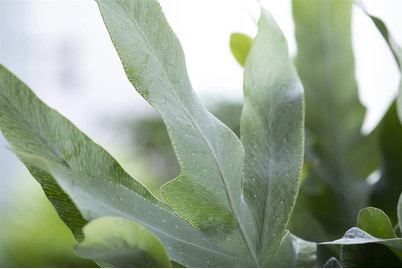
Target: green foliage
207	220
338	158
375	222
31	225
232	203
240	45
122	243
395	49
272	135
334	117
373	243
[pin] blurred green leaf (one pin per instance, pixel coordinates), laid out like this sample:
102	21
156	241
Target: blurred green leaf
395	49
334	190
386	192
240	45
122	243
375	222
31	225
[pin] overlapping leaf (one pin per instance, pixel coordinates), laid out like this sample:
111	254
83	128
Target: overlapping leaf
207	192
373	243
272	135
98	187
361	249
210	155
218	226
36	131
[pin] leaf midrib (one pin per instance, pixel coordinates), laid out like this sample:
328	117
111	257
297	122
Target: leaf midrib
44	140
220	169
57	154
109	206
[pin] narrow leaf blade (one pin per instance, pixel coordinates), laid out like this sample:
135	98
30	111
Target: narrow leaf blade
36	132
272	134
209	154
207	192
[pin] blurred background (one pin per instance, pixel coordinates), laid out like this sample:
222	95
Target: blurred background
62	50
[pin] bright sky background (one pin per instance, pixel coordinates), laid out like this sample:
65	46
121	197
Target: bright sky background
62	51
